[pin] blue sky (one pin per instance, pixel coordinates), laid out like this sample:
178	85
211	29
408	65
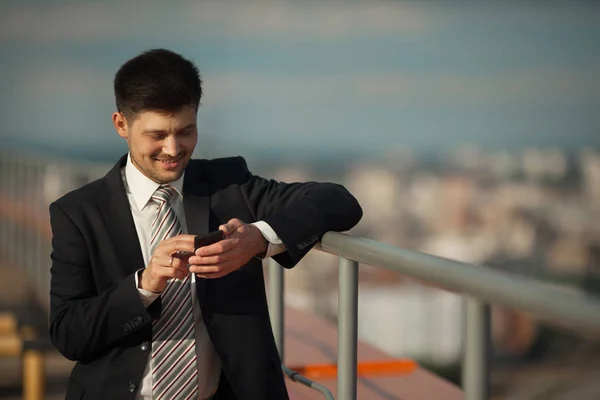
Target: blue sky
360	77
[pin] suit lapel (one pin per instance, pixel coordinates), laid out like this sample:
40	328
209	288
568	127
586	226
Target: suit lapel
196	205
117	214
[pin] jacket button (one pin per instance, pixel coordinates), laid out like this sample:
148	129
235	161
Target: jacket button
132	387
145	346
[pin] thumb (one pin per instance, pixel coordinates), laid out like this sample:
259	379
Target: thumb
231	226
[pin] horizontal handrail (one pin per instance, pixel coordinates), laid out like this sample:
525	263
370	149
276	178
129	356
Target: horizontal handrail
574	310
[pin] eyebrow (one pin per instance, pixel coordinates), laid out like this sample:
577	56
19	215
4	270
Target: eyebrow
162	131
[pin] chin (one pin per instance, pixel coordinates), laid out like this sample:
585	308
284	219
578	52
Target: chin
166	177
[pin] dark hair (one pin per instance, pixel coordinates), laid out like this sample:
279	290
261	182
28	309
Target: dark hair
158	80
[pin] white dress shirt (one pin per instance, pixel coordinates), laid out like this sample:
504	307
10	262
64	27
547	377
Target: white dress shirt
139	189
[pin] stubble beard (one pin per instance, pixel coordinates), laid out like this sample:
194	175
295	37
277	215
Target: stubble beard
154	175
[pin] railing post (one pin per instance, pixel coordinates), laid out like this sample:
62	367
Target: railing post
477	350
276	305
347	328
4	183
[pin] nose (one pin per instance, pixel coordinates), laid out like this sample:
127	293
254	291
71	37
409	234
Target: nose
171	146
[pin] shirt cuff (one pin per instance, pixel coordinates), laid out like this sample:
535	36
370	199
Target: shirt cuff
275	245
147	296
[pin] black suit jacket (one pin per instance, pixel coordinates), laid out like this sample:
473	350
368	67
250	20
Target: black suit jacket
97	317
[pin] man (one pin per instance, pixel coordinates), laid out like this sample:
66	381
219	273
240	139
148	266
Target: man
144	313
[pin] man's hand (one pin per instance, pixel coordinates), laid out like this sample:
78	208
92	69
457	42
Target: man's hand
242	242
165	264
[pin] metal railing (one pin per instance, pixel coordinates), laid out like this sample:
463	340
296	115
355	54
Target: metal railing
479	286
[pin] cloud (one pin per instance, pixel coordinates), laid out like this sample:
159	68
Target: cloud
324	20
516	87
87	21
80	22
57	80
520	87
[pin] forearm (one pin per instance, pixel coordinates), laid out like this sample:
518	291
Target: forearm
301	214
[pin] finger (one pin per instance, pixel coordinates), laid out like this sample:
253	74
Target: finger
183	255
179	243
214	275
209	269
173	273
231	226
212	260
160	271
176	264
218	248
214	271
180	265
168	248
184	237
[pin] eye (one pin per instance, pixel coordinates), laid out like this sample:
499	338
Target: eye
186	132
156	135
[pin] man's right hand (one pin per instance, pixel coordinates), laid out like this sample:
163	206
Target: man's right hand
160	269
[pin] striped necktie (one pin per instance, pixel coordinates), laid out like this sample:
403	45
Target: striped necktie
174	369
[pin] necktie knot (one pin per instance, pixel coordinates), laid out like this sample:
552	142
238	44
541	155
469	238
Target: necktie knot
164	193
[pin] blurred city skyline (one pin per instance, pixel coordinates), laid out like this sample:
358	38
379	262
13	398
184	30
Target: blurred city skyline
284	78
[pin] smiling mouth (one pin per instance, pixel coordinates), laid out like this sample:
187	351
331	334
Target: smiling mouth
170	164
170	161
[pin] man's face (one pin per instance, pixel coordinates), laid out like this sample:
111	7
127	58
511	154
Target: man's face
160	144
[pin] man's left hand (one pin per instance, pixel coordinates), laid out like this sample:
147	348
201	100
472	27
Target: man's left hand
242	242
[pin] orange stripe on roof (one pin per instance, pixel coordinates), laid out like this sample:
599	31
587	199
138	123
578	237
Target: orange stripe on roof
364	369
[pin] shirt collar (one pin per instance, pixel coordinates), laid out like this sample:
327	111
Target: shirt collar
141	187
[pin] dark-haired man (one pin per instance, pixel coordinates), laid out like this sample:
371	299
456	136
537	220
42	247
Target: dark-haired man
141	320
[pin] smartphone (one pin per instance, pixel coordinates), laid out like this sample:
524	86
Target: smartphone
208	239
201	241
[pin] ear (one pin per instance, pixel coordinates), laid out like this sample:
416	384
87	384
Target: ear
120	123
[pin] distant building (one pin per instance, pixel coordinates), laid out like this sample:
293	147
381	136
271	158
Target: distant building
376	188
590	167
